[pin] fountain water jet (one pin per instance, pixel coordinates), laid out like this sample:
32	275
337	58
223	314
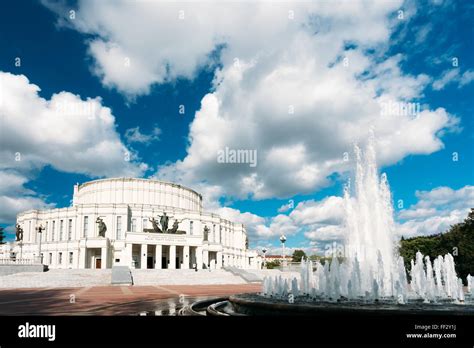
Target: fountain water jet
372	269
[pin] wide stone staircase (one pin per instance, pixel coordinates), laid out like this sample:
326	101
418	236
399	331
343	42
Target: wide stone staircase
257	275
184	277
57	278
244	274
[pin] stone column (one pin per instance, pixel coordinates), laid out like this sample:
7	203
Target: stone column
205	258
82	258
199	257
54	264
75	258
158	255
172	264
103	257
127	255
143	255
186	257
219	260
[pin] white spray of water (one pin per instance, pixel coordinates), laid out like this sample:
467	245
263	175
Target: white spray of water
372	268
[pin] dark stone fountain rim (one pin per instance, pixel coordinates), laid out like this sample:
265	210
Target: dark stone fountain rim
254	304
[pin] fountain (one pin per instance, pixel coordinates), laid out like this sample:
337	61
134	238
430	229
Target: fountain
370	276
372	269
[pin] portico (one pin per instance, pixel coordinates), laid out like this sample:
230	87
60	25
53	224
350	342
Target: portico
163	256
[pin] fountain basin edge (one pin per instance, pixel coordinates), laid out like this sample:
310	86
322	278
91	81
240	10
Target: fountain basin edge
253	304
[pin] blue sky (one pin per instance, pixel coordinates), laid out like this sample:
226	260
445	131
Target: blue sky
233	85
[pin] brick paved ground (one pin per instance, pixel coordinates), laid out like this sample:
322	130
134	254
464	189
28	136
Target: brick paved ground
111	300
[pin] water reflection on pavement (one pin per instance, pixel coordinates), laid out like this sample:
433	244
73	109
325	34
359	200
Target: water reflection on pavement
163	307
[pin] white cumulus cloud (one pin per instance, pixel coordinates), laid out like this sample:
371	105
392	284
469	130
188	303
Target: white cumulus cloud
66	132
436	211
134	135
453	76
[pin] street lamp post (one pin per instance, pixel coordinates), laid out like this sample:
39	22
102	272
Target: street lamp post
283	240
264	251
40	230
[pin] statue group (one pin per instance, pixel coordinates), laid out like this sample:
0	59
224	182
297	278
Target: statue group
164	223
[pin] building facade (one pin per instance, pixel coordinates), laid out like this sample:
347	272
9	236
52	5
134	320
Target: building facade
138	223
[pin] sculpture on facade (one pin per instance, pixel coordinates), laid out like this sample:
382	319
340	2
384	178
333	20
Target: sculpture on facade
155	229
206	233
19	233
102	227
174	228
164	219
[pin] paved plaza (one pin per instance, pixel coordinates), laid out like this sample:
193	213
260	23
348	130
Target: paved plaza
112	300
89	292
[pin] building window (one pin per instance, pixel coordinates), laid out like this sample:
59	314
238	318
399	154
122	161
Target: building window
60	258
53	230
86	226
46	231
50	258
220	234
213	239
134	225
69	230
145	224
71	257
191	227
61	229
119	227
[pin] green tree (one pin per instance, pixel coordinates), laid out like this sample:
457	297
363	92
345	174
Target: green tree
273	264
298	255
458	241
2	235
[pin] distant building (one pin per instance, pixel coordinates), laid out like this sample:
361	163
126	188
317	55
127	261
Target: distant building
270	258
138	234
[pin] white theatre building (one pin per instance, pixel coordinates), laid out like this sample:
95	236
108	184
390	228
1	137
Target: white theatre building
126	205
